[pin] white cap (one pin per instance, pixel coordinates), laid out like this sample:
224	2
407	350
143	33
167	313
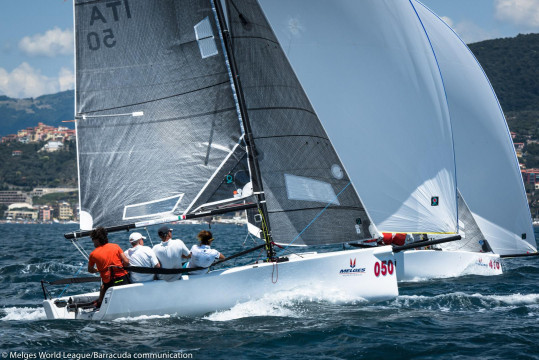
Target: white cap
136	237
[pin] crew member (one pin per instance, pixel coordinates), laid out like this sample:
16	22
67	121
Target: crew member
142	256
203	255
170	253
109	259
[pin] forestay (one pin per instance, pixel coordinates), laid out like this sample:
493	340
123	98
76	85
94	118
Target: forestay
157	124
488	172
310	199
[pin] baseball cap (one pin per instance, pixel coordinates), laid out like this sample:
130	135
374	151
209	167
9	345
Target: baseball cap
163	230
136	236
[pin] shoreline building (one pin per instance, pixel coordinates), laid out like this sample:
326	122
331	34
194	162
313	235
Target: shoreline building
8	197
21	211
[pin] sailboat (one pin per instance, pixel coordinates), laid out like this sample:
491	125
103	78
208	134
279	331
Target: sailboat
488	172
414	121
492	198
187	109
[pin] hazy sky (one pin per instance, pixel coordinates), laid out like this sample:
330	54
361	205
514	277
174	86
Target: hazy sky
36	36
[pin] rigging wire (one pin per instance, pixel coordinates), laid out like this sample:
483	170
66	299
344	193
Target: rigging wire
62	293
316	217
149	236
80	249
248	236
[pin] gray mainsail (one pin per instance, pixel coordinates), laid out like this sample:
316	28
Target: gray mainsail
310	199
156	114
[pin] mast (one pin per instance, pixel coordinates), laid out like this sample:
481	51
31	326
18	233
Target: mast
249	142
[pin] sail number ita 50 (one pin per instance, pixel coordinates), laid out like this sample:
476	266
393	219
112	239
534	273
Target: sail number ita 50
111	11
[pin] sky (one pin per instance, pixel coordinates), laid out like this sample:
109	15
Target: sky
36	36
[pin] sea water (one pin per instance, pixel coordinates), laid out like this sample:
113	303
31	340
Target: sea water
468	317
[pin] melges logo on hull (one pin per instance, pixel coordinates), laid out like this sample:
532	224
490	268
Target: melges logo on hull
352	270
479	262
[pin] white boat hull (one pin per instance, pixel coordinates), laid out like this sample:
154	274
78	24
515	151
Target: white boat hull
415	265
352	273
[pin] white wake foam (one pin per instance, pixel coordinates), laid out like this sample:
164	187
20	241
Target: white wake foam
512	299
142	318
23	313
283	304
50	267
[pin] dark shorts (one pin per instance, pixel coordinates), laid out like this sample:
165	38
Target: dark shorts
124	280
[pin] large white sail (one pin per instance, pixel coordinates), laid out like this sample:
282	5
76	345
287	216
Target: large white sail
388	118
487	167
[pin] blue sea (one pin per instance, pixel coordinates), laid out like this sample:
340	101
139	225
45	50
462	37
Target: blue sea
470	317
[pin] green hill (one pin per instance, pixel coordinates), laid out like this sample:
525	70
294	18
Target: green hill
37	169
17	114
512	65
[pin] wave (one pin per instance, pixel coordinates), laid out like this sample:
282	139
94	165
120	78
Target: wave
22	313
468	302
41	268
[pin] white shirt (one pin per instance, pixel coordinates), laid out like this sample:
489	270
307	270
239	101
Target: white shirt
169	253
141	256
202	256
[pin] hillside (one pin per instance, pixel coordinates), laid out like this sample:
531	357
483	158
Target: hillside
17	114
37	169
512	65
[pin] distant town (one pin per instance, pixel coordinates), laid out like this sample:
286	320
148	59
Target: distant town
60	204
55	137
54	204
529	176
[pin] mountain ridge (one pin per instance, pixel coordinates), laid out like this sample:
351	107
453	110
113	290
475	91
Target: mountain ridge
51	109
511	64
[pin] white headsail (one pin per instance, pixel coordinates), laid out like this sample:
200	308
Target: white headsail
488	173
389	119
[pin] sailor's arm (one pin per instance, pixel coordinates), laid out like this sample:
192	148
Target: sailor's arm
91	267
125	260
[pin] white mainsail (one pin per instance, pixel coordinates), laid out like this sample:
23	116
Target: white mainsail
384	144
